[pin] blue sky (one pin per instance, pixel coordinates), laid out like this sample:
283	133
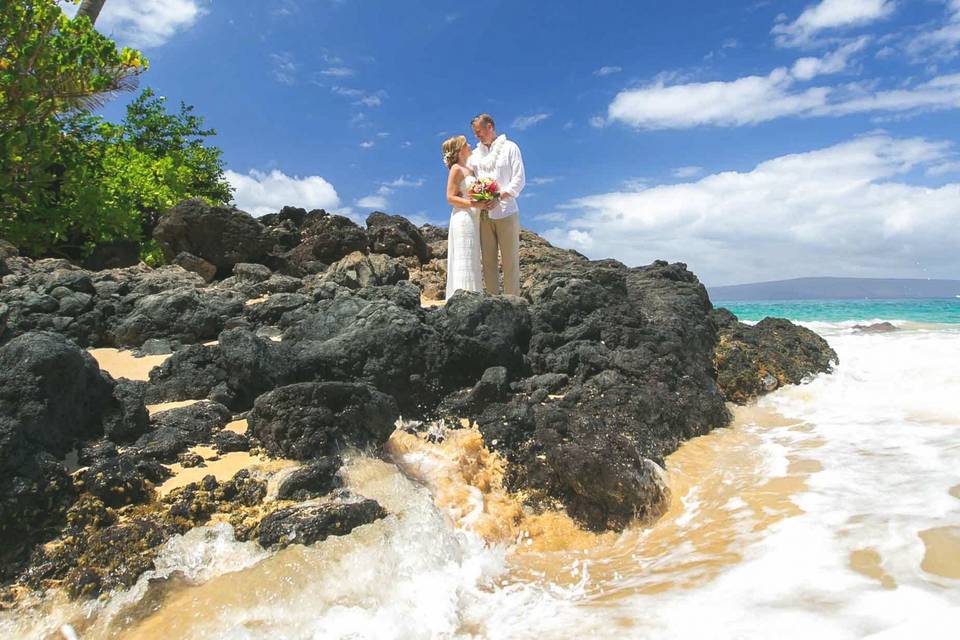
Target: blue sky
751	140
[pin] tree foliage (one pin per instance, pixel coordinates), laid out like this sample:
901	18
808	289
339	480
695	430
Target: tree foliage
70	179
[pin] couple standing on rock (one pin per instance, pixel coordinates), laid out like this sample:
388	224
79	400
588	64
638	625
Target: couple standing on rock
479	231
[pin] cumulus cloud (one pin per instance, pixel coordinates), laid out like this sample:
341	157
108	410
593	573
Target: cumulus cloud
525	122
259	193
830	15
373	201
845	210
145	24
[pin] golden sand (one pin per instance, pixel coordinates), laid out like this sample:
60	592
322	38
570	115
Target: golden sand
942	557
165	406
123	364
868	562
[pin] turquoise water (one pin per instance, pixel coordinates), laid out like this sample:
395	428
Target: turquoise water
939	311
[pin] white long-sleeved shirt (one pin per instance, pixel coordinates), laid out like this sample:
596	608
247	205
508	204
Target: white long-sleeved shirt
507	171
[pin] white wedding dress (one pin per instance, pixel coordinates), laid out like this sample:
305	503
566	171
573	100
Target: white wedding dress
463	248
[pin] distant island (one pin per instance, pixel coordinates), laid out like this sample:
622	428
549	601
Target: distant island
838	289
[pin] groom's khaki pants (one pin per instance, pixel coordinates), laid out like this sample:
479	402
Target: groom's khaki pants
501	236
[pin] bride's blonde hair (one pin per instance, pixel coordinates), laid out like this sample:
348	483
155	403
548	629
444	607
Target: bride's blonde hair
451	149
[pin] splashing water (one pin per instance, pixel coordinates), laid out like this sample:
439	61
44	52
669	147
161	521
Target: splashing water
829	510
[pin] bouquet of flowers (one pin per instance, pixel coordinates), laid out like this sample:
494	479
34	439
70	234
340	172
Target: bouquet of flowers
484	190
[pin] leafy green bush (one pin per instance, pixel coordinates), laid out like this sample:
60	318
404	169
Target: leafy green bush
69	179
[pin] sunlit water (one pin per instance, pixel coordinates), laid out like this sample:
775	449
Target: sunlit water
829	510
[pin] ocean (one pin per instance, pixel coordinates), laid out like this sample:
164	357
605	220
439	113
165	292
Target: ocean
937	311
828	510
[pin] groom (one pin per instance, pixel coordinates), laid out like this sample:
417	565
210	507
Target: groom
498	158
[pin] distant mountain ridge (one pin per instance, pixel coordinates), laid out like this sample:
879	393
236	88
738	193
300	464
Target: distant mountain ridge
838	289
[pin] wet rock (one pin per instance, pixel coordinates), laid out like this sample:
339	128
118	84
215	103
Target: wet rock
360	270
876	327
223	236
122	480
8	250
176	430
306	524
311	419
629	352
197	265
753	360
317	478
116	556
396	236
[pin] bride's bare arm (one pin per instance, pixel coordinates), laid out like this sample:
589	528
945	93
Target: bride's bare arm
453	191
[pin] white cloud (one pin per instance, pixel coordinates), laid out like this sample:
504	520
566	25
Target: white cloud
367	144
373	201
942	42
843	210
370	101
337	72
755	99
542	180
607	71
145	24
284	67
362	97
525	122
835	62
830	15
552	216
259	193
404	181
686	172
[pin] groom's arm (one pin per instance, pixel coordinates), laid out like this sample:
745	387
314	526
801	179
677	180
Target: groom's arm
519	179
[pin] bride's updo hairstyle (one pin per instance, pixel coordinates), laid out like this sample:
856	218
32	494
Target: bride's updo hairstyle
451	149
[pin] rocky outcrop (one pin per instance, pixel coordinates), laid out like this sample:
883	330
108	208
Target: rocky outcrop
396	236
223	236
582	386
360	270
754	360
324	239
314	479
621	364
311	419
53	397
306	524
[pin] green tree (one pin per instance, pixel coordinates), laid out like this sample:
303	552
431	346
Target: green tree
69	179
51	69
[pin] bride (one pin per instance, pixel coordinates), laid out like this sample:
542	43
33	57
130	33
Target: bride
463	241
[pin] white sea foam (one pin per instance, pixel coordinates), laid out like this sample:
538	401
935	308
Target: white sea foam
883	429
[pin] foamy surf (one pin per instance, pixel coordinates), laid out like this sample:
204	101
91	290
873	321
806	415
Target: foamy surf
828	510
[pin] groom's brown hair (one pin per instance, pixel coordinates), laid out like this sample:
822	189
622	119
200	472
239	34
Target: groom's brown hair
483	118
